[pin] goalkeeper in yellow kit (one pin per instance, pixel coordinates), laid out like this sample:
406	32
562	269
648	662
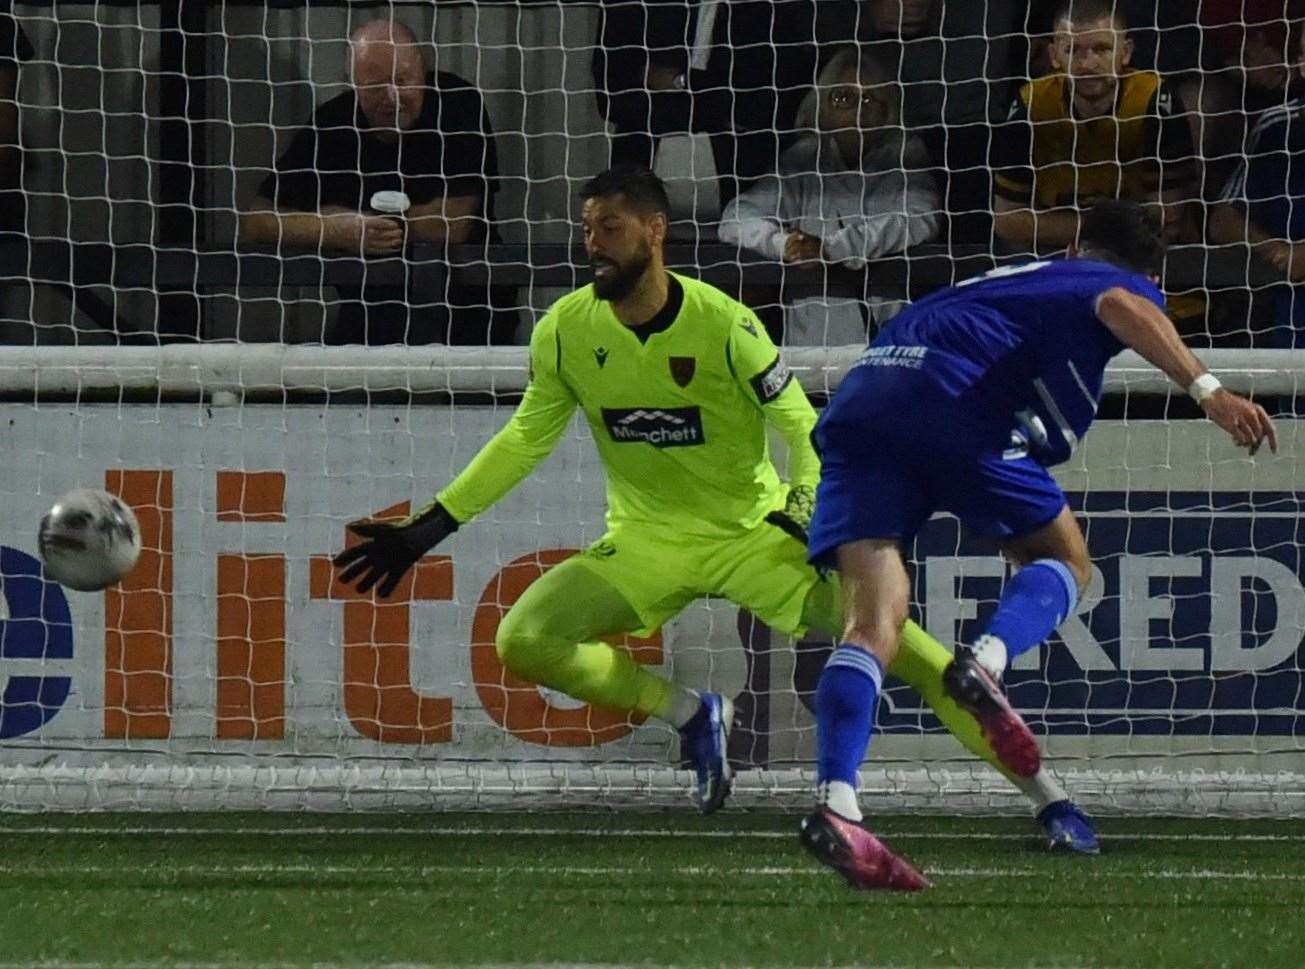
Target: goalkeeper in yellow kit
678	383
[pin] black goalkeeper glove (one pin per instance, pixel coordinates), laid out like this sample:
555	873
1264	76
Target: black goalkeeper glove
796	516
392	548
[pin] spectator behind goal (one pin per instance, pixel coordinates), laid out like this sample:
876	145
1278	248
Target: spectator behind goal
855	187
403	128
1095	129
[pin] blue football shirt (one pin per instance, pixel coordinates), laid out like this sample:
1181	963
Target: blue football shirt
1017	350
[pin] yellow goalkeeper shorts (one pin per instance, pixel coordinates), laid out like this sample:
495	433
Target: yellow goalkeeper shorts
763	569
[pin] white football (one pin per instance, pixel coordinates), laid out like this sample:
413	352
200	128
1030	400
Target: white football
89	540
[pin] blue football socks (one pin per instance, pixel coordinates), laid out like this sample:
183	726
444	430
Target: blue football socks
1037	599
846	698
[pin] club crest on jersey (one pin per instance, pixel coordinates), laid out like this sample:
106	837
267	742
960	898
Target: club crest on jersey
600	354
682	369
749	326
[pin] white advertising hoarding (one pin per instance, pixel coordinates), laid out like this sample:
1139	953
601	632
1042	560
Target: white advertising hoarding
230	645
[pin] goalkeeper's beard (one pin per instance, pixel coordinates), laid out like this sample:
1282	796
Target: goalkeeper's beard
623	281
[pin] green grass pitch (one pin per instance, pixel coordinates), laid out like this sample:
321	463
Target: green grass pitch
667	888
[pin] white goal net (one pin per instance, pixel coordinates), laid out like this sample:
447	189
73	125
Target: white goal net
176	356
229	670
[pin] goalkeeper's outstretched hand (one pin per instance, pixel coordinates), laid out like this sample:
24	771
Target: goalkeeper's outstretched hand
392	548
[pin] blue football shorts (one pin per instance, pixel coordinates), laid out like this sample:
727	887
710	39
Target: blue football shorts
891	457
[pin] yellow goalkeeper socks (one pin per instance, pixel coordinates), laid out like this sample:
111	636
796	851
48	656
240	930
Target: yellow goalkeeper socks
920	662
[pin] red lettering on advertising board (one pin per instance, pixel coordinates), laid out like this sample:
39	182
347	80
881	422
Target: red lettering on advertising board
138	616
378	695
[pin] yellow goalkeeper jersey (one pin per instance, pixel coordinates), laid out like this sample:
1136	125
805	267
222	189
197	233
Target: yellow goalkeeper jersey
679	420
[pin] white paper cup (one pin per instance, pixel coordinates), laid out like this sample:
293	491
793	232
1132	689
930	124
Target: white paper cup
390	203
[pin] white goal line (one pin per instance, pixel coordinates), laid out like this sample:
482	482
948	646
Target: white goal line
442	788
545	832
624	871
312	964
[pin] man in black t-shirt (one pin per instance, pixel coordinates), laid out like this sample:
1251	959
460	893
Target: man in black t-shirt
401	129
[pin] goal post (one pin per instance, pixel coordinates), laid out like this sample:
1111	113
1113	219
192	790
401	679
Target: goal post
253	370
156	160
231	672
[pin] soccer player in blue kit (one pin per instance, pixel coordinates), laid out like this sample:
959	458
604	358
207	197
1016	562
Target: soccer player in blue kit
960	404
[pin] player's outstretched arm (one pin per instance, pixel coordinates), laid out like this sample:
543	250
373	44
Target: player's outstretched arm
792	415
1142	326
391	548
785	407
760	369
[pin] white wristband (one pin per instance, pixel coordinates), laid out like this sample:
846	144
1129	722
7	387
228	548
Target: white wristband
1203	386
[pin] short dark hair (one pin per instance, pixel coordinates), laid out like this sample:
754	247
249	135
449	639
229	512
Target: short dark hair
1124	234
643	190
1089	12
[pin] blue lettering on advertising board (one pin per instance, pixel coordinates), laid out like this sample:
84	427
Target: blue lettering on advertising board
1193	623
35	626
